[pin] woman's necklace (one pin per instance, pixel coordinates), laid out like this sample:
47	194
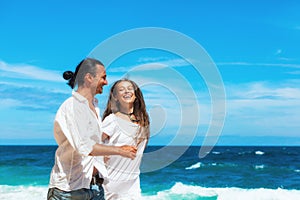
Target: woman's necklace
131	116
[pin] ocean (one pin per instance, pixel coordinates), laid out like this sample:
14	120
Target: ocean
226	173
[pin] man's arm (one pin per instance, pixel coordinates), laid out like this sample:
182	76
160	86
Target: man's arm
105	150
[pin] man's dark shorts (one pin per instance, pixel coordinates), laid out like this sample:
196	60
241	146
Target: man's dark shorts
81	194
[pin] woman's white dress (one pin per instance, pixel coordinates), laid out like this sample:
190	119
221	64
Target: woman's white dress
123	173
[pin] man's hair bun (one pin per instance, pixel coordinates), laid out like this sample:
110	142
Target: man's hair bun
68	75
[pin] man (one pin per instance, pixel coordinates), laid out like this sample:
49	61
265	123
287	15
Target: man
77	129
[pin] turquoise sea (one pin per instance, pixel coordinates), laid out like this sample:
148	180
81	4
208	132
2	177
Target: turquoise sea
226	173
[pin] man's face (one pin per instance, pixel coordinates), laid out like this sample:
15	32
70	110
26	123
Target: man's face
100	79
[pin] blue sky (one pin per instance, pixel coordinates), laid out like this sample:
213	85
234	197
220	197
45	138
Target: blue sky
255	46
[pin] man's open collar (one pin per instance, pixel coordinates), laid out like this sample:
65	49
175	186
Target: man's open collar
79	97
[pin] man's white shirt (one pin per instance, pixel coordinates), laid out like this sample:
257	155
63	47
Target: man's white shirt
77	129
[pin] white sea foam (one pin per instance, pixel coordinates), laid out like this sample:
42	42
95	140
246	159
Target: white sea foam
23	192
196	192
181	191
259	166
194	166
257	194
259	152
178	191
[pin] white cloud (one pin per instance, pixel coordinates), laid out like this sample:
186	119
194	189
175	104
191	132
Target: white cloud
263	90
14	103
263	107
294	72
176	62
252	108
258	64
7	103
28	71
152	64
27	96
151	59
140	67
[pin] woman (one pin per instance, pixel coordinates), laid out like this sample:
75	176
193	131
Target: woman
125	121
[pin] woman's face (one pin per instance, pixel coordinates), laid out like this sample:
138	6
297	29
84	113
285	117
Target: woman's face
125	93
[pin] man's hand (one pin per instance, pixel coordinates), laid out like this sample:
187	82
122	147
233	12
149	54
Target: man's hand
128	151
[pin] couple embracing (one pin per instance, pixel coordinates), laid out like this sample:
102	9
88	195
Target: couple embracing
98	158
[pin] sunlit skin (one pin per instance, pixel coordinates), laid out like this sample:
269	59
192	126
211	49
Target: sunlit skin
125	95
100	79
93	84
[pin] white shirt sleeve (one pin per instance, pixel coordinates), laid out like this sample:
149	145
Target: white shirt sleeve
109	125
78	125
